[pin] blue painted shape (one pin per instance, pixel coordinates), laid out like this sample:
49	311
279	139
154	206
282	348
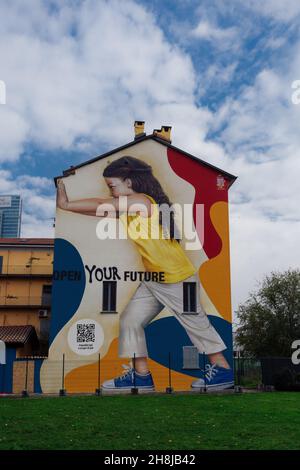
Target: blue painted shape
67	293
37	368
6	371
166	335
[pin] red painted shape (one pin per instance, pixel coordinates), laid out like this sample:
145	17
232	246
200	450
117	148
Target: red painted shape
207	192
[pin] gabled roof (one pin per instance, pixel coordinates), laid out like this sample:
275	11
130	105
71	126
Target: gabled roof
18	335
72	169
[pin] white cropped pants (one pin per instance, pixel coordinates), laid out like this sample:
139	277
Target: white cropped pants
147	302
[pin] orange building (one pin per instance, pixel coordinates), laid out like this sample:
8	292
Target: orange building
26	266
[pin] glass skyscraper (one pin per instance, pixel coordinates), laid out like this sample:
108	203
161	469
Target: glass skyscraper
10	216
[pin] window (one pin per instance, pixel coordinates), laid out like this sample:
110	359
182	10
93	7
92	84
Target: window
190	357
1	263
190	298
109	297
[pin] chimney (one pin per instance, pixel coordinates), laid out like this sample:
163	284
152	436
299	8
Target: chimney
139	129
164	133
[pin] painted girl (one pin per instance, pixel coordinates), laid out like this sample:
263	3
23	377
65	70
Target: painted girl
134	179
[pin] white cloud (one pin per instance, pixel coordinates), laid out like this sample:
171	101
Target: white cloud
84	89
259	246
275	42
215	77
13	132
279	10
261	134
38	207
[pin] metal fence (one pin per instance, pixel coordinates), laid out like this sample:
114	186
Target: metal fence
67	376
64	376
248	371
85	376
281	373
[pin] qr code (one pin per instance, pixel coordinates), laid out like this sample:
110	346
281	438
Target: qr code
86	333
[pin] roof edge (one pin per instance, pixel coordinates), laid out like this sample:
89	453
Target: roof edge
72	169
27	242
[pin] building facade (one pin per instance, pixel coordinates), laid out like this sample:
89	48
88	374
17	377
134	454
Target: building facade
10	216
26	266
109	301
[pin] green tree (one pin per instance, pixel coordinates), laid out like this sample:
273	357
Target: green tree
269	321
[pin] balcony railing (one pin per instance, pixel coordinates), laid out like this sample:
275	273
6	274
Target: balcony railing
11	300
27	270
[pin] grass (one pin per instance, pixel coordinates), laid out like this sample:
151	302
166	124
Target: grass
181	422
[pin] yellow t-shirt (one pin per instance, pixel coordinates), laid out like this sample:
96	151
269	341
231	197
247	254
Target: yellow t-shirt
158	254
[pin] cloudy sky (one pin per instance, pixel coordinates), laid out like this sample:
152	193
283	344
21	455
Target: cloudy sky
78	73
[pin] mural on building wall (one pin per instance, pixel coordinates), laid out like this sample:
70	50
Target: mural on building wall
137	287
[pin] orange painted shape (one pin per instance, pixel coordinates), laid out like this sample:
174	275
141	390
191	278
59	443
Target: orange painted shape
215	273
84	379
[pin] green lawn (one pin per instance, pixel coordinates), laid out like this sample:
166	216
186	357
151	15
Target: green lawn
240	421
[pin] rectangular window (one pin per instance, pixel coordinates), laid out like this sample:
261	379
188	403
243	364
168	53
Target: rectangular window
109	297
190	357
190	298
1	263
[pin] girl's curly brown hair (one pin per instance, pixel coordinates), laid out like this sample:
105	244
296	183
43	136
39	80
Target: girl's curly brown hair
143	181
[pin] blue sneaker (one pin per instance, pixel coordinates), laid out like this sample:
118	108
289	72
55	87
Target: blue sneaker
216	378
125	382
